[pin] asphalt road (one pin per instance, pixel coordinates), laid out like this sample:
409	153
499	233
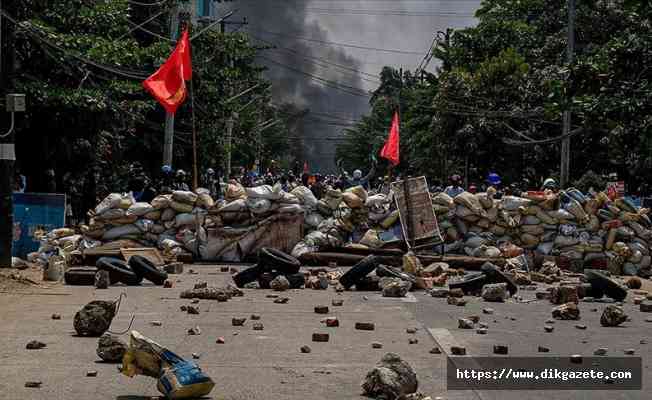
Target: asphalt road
268	364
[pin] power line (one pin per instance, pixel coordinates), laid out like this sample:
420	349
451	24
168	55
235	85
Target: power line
333	11
354	46
156	4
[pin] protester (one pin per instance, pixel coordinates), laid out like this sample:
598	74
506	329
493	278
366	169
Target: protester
180	182
167	181
455	187
50	181
318	188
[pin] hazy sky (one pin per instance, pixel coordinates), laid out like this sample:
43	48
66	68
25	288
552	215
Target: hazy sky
333	79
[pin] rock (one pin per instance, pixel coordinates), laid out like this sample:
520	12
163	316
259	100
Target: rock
602	351
643	341
500	349
207	293
633	282
194	331
183	308
201	285
376	345
174	268
168	284
435	269
390	379
564	294
337	303
439	292
495	292
56	316
413	341
474	318
541	295
568	311
258	326
224	269
580	327
305	349
613	316
255	317
332	322
110	348
638	300
548	328
192	310
394	287
91	374
280	284
196	301
220	340
521	279
435	350
629	352
645	306
238	321
457	292
458	351
483	325
282	300
465	323
94	318
320	337
196	356
35	345
588	299
543	349
33	384
411	330
488	311
365	326
481	331
576	359
102	280
156	323
321	309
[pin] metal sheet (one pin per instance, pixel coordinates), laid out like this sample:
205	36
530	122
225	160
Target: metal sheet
415	208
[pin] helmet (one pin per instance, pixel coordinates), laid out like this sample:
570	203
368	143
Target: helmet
549	184
493	178
166	169
357	174
210	171
181	173
456	178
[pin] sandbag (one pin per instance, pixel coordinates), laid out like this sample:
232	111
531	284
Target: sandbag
264	192
332	199
463	212
109	202
185	197
565	241
471	202
181	207
205	200
352	200
390	220
530	220
305	196
358	191
290	209
184	219
536	230
234	191
168	214
289	198
144	225
139	209
371	239
162	201
561	215
444	200
529	240
258	205
512	203
114	213
120	231
313	220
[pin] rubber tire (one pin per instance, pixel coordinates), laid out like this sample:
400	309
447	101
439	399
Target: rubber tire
265	279
146	269
494	275
80	276
247	276
601	283
368	283
297	281
359	271
470	284
275	260
119	271
386	271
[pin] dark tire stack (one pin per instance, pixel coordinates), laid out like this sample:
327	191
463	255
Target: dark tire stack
130	274
271	263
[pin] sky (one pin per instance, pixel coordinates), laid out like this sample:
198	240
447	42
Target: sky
329	53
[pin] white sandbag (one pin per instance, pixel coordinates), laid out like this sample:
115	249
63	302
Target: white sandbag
236	205
302	248
109	202
183	196
168	244
264	192
471	202
313	220
154	215
290	209
444	200
168	214
305	196
205	200
565	241
162	201
139	209
377	200
234	191
120	231
184	219
358	191
111	214
561	215
512	203
258	205
288	198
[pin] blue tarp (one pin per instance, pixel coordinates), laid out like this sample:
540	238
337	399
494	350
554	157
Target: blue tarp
35	211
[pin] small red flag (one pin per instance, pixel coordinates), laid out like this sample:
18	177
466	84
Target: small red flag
391	149
168	85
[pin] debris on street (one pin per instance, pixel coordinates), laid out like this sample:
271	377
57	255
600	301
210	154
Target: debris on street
390	379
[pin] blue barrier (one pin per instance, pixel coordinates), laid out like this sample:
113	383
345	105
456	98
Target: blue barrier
32	212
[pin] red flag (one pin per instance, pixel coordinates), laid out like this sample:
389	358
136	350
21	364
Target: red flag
391	149
168	85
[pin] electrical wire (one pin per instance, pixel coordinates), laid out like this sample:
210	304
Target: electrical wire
138	3
333	11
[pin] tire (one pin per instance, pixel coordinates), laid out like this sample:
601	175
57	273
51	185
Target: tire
119	271
495	275
265	279
602	284
385	271
359	271
470	284
275	260
146	269
80	276
247	276
368	283
297	280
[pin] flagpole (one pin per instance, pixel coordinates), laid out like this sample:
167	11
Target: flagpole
195	175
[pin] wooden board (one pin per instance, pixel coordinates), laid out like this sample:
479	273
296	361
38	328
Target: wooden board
149	253
415	209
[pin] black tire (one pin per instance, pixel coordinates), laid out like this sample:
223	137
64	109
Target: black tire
470	284
119	271
359	271
247	276
146	269
603	284
368	283
265	279
296	280
495	275
275	260
390	272
80	276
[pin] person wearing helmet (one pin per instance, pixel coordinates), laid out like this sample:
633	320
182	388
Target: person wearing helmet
494	180
210	182
455	187
358	179
550	184
180	182
166	180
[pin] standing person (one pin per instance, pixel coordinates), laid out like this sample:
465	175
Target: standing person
20	181
455	187
167	181
358	179
180	182
318	188
210	182
50	181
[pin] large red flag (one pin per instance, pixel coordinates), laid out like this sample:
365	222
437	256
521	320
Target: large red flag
168	85
391	149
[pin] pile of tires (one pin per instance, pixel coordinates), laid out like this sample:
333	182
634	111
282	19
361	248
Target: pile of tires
131	273
271	263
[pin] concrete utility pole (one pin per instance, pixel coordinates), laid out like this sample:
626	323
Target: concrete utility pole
566	142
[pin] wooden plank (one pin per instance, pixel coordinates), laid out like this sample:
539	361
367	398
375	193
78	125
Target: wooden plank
149	253
415	209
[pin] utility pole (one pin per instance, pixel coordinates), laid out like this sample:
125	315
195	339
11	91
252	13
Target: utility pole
229	136
566	142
